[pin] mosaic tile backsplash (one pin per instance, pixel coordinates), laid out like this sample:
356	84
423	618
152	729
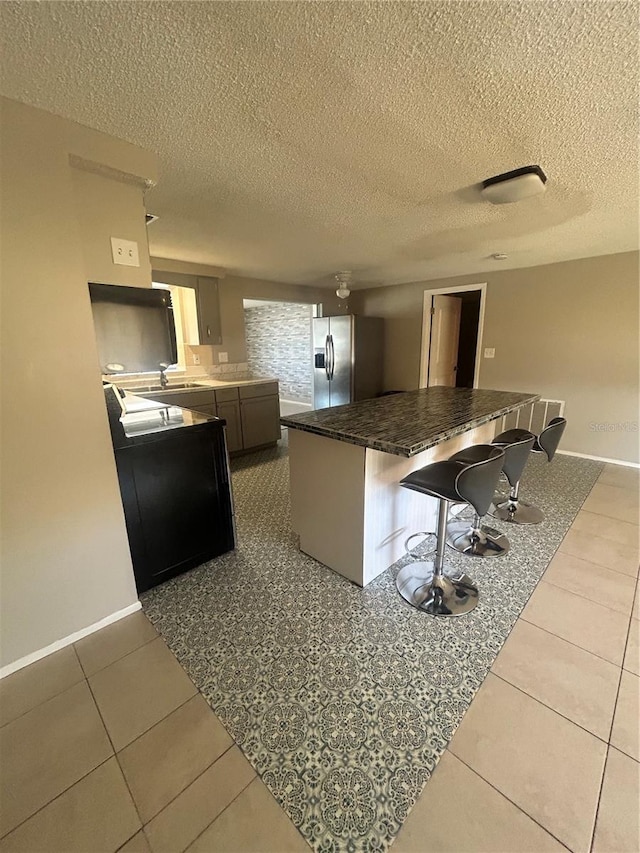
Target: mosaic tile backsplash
279	344
343	699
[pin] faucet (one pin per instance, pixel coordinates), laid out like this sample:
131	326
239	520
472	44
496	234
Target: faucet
163	379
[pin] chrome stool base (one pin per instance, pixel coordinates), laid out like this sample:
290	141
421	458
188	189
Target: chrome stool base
517	513
438	595
479	542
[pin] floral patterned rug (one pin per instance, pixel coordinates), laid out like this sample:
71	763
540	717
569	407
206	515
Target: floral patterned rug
343	699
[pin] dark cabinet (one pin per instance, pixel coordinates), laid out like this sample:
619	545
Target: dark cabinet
177	501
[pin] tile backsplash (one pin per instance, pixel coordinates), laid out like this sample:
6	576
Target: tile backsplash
279	345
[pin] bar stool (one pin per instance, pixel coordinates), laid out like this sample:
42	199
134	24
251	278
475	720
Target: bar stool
473	538
514	509
430	586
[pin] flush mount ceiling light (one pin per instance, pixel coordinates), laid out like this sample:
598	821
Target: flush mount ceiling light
344	279
514	186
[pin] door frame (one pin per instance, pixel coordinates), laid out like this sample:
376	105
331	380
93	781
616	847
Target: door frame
426	326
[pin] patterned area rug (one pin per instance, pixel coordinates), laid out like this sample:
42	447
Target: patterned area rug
343	699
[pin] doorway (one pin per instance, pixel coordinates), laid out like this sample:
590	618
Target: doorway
452	323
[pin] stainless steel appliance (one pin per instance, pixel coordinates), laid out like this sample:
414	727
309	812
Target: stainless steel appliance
347	359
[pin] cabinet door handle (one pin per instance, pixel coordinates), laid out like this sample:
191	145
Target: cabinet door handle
208	331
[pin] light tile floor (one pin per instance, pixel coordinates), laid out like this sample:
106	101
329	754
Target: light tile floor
107	745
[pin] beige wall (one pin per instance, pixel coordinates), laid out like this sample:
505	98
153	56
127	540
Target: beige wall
566	331
65	554
233	289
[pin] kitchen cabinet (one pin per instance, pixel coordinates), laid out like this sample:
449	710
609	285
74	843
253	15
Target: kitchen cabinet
207	302
208	310
259	414
175	489
252	411
228	407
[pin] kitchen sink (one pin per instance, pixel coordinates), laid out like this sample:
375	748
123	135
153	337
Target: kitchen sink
180	386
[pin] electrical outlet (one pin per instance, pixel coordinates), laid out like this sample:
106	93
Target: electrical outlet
223	357
196	358
124	252
489	352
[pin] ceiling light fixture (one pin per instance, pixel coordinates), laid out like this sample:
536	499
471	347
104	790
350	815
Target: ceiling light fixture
344	279
499	256
514	186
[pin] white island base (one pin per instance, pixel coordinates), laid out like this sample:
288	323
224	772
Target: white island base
347	506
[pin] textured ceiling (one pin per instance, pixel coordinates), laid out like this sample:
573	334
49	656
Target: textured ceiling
300	138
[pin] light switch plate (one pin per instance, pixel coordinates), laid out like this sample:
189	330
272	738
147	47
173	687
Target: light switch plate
124	252
223	357
489	352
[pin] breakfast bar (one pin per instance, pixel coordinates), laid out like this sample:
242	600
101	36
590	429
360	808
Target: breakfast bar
346	463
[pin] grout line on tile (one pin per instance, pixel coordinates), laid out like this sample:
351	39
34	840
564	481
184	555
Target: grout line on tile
615	708
117	660
195	779
157	722
591	562
607	515
256	777
548	707
595	821
124	844
595	654
502	794
104	725
133	800
44	701
57	796
586	597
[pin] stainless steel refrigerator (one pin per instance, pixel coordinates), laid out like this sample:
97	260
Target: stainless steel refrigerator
347	359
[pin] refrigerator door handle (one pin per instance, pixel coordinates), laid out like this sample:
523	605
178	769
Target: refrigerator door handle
333	356
327	358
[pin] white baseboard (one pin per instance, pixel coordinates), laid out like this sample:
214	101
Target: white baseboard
66	641
600	459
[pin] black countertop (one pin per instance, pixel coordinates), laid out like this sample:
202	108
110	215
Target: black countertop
129	430
408	423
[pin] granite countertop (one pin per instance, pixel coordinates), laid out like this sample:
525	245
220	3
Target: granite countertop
408	423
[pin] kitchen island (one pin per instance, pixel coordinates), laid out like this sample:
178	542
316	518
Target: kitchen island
346	463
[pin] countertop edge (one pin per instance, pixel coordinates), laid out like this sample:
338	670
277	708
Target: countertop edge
412	450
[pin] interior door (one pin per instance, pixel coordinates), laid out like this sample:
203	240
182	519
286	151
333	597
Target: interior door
445	334
341	354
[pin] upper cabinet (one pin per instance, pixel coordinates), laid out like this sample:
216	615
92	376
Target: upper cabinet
208	310
207	329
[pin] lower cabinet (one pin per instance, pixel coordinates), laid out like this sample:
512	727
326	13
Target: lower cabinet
177	502
252	411
260	421
230	411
